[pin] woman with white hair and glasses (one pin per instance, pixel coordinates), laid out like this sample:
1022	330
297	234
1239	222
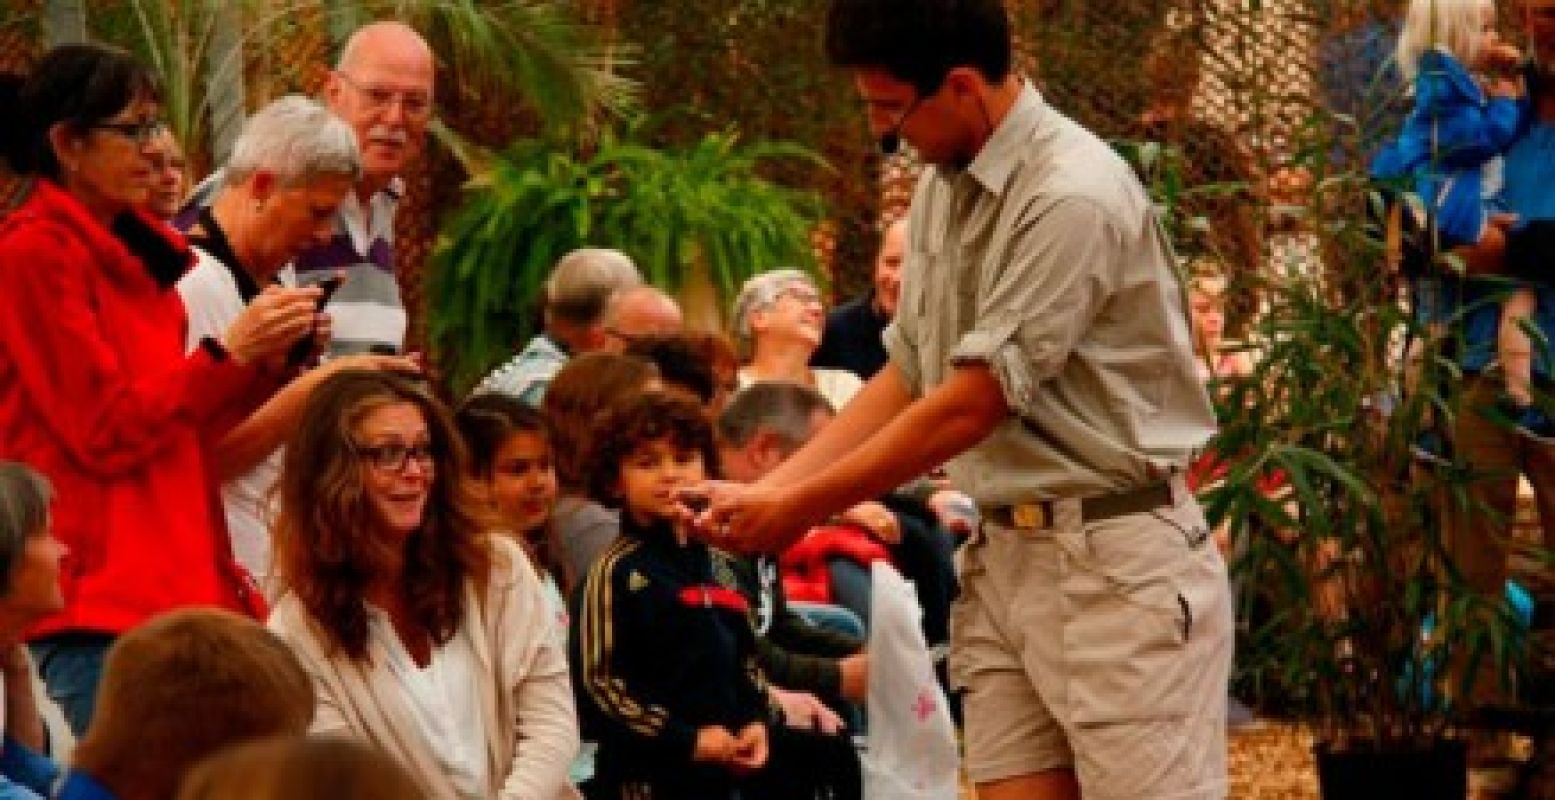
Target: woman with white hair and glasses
290	168
778	320
97	389
29	590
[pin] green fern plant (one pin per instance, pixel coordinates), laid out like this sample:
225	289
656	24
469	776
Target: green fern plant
704	210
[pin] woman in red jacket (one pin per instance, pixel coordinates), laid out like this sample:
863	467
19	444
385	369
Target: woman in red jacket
96	391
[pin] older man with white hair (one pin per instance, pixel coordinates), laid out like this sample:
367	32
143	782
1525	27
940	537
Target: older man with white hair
290	169
595	299
382	88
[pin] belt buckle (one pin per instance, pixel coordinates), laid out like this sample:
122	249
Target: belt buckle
1029	516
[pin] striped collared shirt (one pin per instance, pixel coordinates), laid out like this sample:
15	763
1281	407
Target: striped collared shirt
367	310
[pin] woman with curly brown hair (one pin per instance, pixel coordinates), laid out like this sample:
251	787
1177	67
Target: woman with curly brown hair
425	635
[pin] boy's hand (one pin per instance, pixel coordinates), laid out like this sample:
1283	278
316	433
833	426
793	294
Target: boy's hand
750	753
715	745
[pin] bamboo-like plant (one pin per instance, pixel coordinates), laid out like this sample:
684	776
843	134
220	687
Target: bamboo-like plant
1357	616
704	209
1354	617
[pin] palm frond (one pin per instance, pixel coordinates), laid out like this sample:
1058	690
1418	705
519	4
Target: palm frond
524	49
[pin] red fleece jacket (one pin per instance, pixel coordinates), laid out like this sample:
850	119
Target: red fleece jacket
97	393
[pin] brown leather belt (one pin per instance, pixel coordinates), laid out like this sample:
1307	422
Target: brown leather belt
1039	514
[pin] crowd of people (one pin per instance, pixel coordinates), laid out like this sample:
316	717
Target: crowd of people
249	550
210	424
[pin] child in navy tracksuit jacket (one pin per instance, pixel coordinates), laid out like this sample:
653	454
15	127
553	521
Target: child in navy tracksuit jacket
664	658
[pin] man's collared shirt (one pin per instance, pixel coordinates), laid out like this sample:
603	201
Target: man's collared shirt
1044	259
527	375
367	312
215	292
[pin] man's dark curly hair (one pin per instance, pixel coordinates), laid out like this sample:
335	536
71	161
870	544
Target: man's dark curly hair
637	421
920	41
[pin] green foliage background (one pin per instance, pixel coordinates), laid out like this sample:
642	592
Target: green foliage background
757	65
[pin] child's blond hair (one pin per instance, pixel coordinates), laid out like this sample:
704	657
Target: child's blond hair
1449	25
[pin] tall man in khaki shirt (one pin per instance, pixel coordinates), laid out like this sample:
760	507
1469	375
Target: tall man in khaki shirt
1041	346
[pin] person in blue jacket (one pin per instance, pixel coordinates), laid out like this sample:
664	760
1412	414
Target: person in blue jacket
1469	106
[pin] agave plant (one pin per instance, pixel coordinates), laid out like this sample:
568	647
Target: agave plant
701	211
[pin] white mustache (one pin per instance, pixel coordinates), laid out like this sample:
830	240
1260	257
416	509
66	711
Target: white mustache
386	134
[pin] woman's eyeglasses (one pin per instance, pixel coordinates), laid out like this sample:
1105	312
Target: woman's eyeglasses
137	132
395	457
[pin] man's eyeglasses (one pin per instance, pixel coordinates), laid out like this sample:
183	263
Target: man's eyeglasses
416	105
137	132
802	295
395	457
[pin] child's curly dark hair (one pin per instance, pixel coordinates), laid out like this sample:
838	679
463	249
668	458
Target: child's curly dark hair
636	421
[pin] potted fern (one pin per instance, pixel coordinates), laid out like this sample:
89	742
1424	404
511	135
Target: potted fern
697	220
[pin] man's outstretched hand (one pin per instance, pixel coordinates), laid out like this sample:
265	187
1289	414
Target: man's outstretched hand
744	518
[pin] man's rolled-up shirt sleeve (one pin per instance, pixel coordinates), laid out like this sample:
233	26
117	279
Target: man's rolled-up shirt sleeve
1035	300
903	352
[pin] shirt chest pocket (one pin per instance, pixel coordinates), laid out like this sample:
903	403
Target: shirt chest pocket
945	300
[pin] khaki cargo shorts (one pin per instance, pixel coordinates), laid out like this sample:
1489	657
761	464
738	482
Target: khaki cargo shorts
1102	647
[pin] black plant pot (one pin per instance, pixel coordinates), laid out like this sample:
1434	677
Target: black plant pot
1437	772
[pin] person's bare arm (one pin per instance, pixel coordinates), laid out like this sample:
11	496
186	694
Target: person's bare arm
946	422
882	398
22	720
252	440
1488	255
868	460
1064	260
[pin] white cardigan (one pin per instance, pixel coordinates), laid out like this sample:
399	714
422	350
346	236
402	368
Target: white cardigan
527	706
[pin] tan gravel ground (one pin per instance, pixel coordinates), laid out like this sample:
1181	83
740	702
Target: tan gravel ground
1270	762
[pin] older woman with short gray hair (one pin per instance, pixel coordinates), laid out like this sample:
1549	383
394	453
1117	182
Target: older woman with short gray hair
291	167
778	320
24	514
29	591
